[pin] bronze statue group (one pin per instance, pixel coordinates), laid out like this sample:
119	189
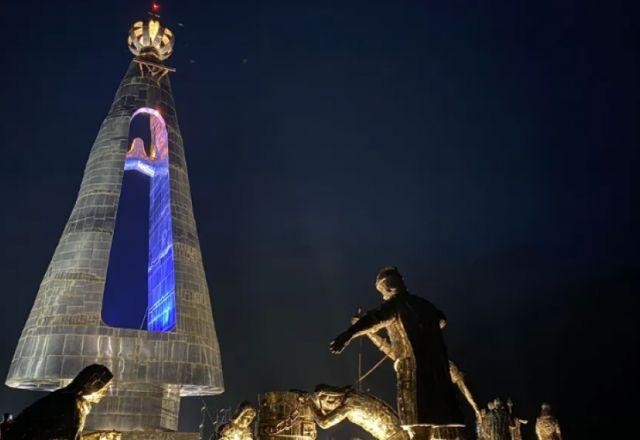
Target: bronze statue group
408	330
405	327
426	403
499	423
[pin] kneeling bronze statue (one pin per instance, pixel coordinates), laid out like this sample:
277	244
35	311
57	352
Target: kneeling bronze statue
239	427
61	414
331	405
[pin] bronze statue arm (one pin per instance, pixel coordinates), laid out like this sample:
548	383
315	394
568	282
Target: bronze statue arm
383	345
326	421
371	322
458	378
539	433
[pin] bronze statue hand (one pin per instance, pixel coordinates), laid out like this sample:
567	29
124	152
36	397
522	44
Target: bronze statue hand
338	344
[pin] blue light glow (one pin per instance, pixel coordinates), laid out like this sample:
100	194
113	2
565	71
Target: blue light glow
143	226
161	290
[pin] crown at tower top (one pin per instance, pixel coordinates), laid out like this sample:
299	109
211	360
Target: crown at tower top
151	39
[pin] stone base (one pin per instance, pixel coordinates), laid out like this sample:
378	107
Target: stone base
423	432
141	435
134	407
160	436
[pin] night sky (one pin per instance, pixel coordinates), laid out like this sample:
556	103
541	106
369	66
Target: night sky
488	149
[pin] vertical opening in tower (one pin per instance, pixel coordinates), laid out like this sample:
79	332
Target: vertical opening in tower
140	285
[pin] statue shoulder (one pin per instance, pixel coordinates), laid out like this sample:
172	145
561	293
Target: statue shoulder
423	304
416	299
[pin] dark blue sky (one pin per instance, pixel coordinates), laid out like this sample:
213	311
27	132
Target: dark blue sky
486	148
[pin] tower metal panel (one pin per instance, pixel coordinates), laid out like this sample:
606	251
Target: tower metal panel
65	332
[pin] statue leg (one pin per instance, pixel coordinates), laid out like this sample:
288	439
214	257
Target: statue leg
446	433
406	391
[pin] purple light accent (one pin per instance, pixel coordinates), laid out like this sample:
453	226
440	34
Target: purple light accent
139	165
138	160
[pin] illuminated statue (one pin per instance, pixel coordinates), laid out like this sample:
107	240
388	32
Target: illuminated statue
547	426
481	425
457	377
425	393
61	414
496	422
285	415
239	427
516	423
331	405
486	421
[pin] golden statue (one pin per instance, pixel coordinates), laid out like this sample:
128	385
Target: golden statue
496	422
285	415
425	394
547	426
516	423
481	425
239	427
331	405
62	413
457	377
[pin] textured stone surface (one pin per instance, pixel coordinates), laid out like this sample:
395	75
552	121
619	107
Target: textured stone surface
144	435
161	436
65	332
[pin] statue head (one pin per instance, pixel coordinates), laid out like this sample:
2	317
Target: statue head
245	415
545	409
92	383
328	398
389	282
497	403
491	406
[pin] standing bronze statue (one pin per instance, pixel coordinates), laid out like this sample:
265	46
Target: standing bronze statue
425	393
61	414
547	426
457	377
497	421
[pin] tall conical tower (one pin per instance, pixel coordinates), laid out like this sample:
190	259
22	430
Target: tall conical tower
177	352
